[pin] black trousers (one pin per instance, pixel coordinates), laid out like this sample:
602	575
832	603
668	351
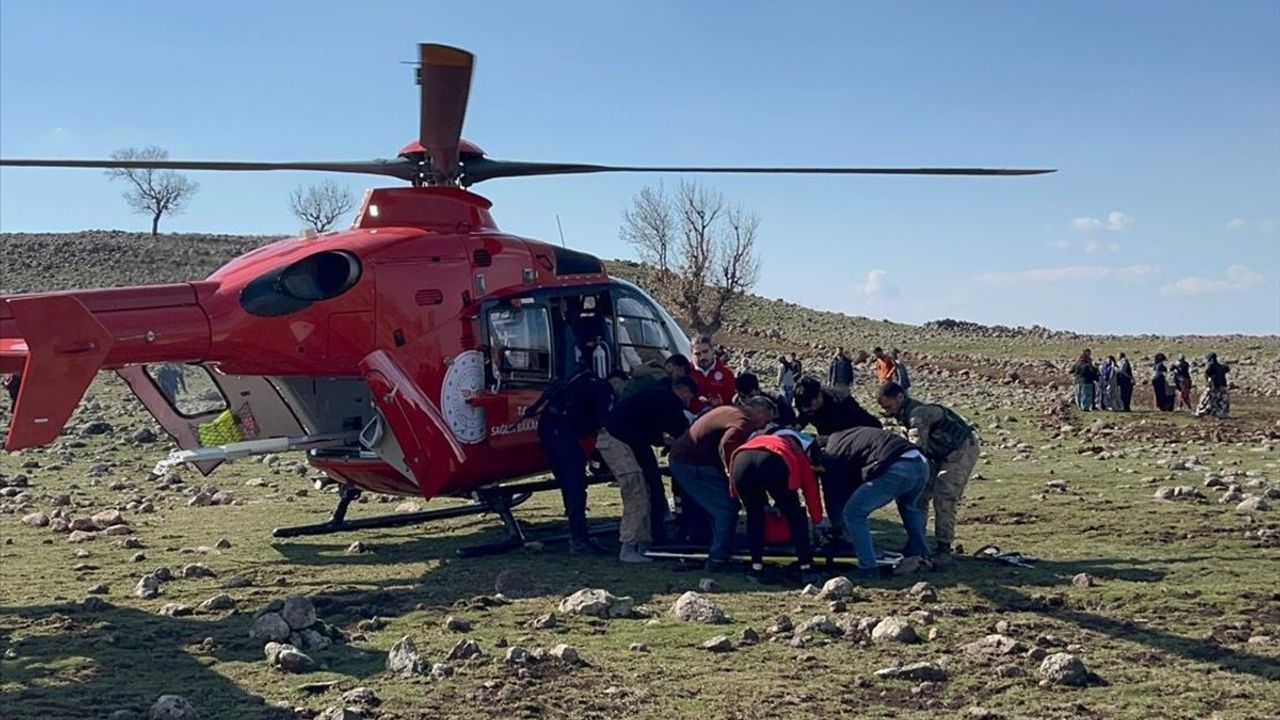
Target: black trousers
569	466
1126	395
757	476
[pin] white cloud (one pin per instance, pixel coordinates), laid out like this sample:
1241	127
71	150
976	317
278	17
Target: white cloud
1237	278
1090	245
1061	244
1087	224
1236	224
876	286
1071	274
1116	222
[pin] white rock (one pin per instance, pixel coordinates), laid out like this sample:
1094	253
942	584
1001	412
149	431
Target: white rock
148	587
835	588
299	612
566	653
1064	669
692	607
894	629
597	602
403	659
173	707
270	626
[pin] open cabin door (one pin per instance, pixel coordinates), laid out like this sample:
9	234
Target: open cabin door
198	407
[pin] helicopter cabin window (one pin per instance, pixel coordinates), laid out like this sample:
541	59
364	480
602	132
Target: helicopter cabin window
520	342
641	335
188	389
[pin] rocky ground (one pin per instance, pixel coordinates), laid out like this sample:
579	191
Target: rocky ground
1154	595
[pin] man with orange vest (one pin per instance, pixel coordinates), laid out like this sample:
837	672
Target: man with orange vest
776	466
886	366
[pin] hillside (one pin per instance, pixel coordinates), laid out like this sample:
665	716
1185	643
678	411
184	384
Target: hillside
760	328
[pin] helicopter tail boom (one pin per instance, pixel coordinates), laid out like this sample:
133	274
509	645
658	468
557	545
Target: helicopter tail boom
58	342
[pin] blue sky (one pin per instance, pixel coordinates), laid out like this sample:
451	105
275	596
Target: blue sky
1164	120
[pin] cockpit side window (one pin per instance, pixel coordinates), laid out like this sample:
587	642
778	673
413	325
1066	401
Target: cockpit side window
520	344
642	335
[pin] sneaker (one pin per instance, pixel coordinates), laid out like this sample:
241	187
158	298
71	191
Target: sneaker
588	546
632	554
909	565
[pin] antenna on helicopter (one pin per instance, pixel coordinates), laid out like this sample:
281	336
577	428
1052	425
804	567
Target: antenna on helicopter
561	229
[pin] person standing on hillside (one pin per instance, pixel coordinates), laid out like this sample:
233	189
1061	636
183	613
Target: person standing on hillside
886	368
787	378
713	378
1124	379
1110	386
1215	401
900	374
840	374
1182	381
1160	386
1086	375
948	441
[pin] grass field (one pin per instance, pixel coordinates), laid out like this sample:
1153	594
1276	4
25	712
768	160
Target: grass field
1181	618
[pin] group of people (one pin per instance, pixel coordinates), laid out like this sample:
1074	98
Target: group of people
735	448
1109	386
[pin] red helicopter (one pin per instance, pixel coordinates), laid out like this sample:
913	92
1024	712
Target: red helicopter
400	354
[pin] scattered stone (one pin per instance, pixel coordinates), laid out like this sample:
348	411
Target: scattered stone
36	519
143	435
124	715
118	530
107	518
340	712
270	626
175	610
748	636
516	654
921	617
566	653
810	589
638	647
298	612
197	570
781	624
173	707
222	544
692	607
818	623
837	606
1082	580
1064	669
217	603
129	543
1010	671
994	644
441	671
237	581
544	622
894	629
79	536
464	650
719	643
148	587
924	592
403	658
138	557
293	660
99	589
1036	654
356	548
918	672
456	624
836	588
598	603
1250	504
706	585
361	696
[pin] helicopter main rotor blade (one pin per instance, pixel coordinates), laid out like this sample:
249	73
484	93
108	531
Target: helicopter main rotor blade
445	77
403	169
481	169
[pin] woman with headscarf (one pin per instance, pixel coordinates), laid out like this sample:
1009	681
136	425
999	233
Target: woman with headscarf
1086	375
1160	383
1215	400
1182	380
1110	386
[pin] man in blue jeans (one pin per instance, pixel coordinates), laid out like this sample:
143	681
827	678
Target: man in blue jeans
698	461
884	468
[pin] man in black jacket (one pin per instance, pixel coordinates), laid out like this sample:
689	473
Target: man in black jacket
840	374
829	412
749	386
876	467
637	423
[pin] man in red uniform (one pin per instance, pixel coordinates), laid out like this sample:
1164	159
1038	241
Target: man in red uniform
714	379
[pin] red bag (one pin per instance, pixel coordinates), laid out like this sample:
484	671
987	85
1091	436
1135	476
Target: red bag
776	530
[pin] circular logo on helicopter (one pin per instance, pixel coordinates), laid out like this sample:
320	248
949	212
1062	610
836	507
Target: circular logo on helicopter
463	379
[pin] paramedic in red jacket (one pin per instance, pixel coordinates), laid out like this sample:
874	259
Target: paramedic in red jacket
776	466
714	379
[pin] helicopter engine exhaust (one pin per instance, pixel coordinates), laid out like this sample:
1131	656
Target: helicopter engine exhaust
59	341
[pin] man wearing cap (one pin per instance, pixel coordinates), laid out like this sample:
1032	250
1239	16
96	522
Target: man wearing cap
879	467
947	440
774	465
699	460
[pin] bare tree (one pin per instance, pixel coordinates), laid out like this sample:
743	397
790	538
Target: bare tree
320	206
153	192
700	250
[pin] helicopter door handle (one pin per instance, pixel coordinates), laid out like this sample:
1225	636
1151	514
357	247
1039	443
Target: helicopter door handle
79	348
